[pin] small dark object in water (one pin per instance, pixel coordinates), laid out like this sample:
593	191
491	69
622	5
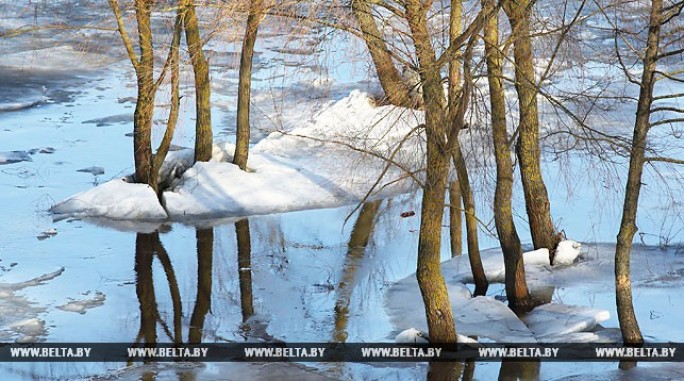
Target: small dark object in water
408	214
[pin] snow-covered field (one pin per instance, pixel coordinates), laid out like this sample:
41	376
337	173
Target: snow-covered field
65	126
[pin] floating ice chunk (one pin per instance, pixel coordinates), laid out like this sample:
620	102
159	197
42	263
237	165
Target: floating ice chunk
10	157
566	252
537	257
412	336
80	306
114	199
484	316
95	171
549	320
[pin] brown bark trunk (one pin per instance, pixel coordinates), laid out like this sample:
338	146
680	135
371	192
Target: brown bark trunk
536	196
244	246
430	280
631	334
455	220
205	253
396	91
203	132
455	67
516	285
144	108
458	105
245	83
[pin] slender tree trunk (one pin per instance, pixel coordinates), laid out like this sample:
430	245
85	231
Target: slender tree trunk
455	220
144	107
396	91
205	254
455	67
245	84
516	285
631	334
356	249
200	66
244	246
529	154
430	280
458	105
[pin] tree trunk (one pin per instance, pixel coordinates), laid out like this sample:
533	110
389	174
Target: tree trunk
245	84
203	133
144	107
205	253
455	220
536	196
458	105
631	334
430	280
390	79
516	285
244	248
455	67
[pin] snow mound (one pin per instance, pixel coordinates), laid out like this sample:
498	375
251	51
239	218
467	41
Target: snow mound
337	157
537	257
556	322
114	199
566	252
414	336
325	163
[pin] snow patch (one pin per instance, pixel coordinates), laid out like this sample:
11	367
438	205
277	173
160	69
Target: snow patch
10	157
114	199
555	321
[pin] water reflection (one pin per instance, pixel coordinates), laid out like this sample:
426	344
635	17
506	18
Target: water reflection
516	370
356	249
205	255
147	247
244	249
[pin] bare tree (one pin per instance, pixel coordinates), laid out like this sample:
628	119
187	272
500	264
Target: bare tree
256	13
396	91
527	147
200	66
147	164
516	285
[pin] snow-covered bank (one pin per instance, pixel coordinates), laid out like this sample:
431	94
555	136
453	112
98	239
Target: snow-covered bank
336	158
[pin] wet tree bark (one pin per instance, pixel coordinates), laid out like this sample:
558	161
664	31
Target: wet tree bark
430	280
205	254
631	334
389	77
245	84
536	195
200	66
516	285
